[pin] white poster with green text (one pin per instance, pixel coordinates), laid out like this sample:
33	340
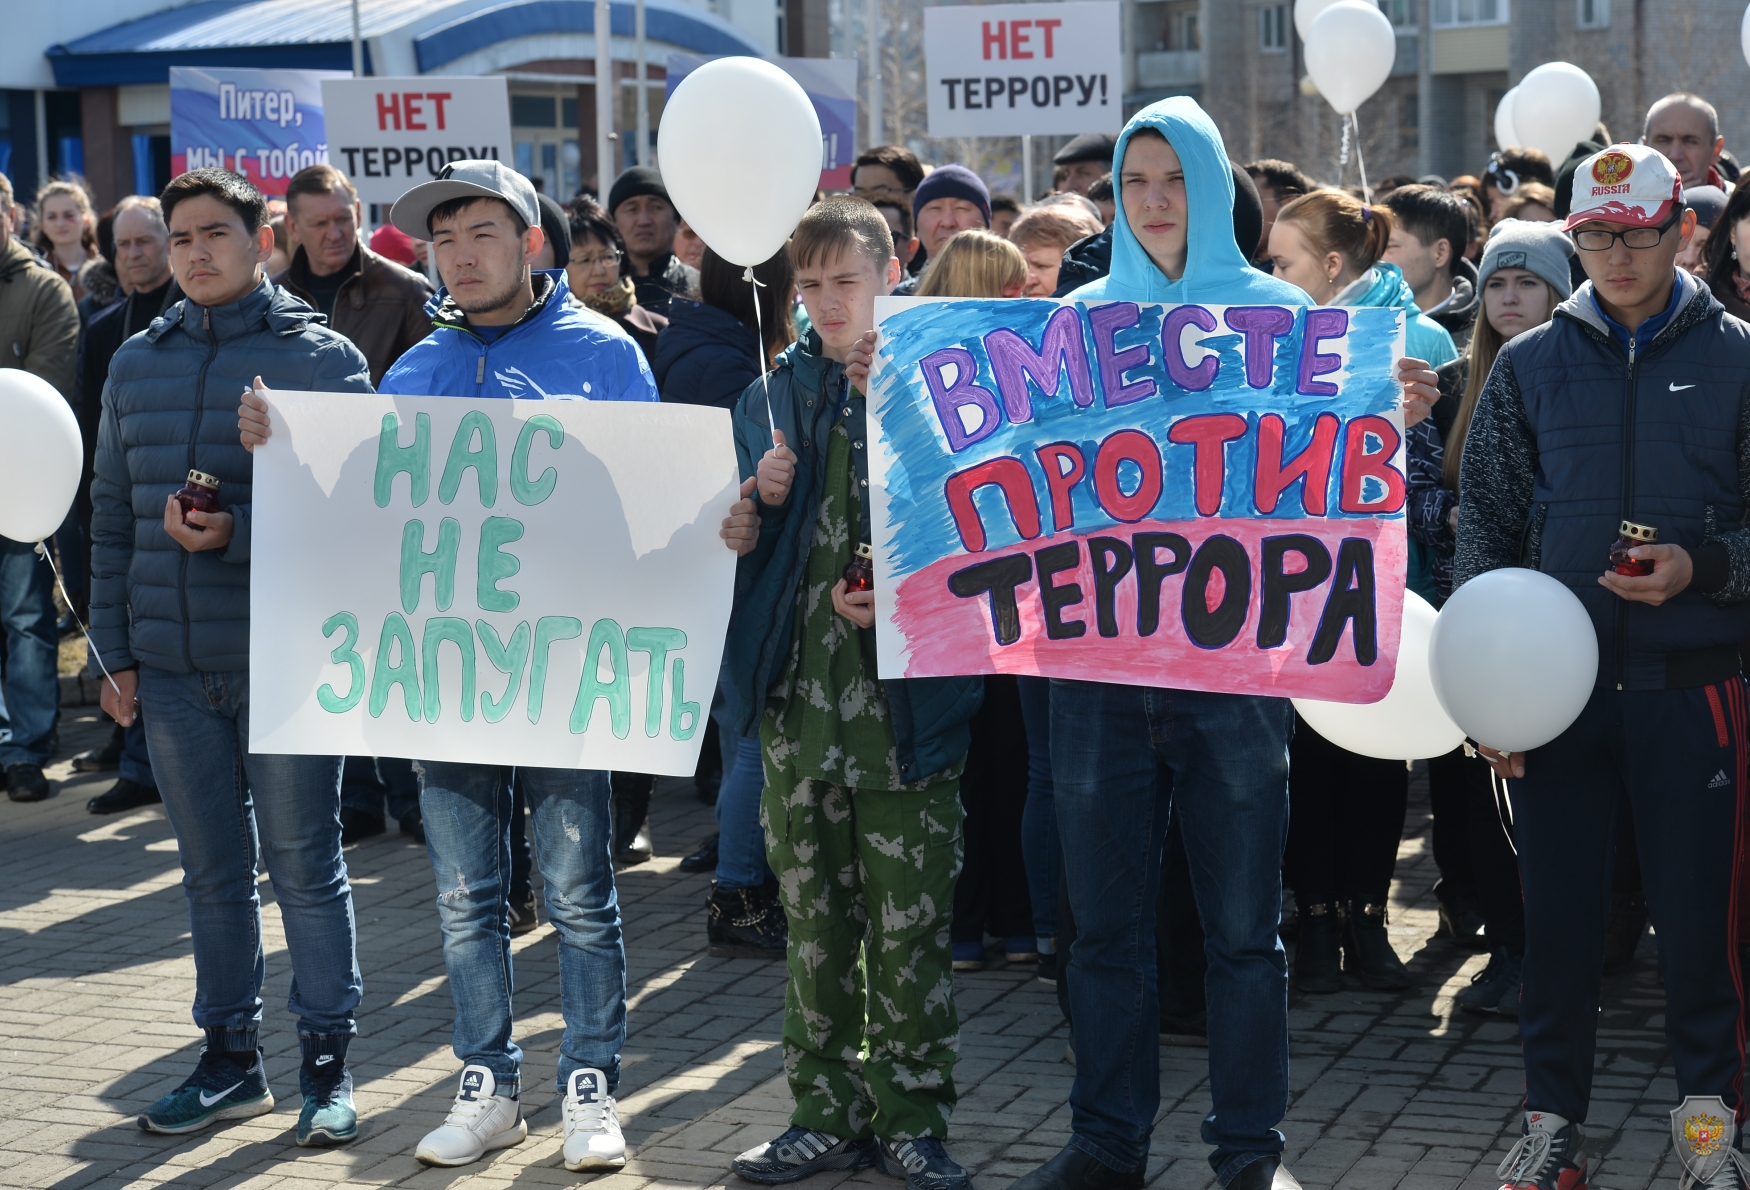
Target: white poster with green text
502	582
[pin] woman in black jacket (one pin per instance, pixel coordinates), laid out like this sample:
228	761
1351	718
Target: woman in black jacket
710	351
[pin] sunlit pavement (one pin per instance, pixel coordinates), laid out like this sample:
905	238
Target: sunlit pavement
96	980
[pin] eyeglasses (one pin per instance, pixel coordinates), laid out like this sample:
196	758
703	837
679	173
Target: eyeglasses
1634	237
609	261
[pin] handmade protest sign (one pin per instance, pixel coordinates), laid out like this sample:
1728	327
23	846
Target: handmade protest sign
505	582
1200	497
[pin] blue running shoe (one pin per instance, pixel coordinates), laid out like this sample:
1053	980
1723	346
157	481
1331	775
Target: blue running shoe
328	1116
219	1089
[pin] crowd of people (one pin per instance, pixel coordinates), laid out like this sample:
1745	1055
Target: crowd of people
1574	360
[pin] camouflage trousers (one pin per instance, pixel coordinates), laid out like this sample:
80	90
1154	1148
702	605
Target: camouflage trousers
867	879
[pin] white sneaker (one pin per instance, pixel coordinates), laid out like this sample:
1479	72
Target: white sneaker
592	1124
480	1120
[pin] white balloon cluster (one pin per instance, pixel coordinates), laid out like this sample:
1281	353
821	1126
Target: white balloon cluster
1553	108
41	456
1509	662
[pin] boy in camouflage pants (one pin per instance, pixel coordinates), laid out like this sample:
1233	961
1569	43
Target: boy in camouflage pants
861	806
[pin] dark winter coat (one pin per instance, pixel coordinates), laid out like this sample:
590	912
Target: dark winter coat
169	407
1573	435
929	715
705	356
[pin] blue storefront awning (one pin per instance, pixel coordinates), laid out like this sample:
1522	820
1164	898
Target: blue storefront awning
317	34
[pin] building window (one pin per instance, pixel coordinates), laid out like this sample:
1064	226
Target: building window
532	111
1593	14
1410	122
1273	29
1450	14
1190	37
1401	13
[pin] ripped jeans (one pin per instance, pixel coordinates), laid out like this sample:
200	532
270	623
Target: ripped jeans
467	812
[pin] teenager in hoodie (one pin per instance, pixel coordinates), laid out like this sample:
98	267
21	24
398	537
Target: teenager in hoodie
1126	758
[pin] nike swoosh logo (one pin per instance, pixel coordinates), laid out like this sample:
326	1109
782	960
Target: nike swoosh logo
1677	388
325	1059
206	1102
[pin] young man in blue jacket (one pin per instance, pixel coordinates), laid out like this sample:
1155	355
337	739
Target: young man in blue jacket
170	622
861	804
502	329
1630	406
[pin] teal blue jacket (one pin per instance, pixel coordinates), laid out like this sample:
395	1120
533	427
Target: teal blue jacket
930	715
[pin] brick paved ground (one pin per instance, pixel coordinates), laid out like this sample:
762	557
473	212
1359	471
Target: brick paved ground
96	980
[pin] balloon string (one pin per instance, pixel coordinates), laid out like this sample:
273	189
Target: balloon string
1360	161
48	556
1343	151
759	321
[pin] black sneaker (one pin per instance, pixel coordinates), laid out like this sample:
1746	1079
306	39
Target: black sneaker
413	825
746	923
26	783
704	859
800	1152
1075	1169
1494	985
220	1088
105	759
923	1163
124	795
522	912
1549	1156
359	824
1048	970
1459	921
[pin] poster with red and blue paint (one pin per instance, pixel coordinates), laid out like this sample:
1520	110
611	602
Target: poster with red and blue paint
1196	497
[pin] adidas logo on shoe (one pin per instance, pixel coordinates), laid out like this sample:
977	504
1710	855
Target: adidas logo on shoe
1720	780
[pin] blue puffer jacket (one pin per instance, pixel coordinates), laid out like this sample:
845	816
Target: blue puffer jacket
704	356
555	352
930	715
169	407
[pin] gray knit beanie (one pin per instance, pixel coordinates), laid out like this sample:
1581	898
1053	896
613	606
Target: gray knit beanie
1540	248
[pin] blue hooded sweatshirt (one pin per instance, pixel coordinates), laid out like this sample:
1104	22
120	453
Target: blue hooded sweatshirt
1216	271
1384	285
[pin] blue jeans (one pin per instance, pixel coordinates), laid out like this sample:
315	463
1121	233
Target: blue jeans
1040	847
741	841
467	813
31	703
228	806
136	762
1125	758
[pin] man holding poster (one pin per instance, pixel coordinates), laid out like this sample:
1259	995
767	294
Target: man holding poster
503	329
1179	497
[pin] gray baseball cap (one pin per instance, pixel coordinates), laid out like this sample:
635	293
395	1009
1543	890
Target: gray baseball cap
465	179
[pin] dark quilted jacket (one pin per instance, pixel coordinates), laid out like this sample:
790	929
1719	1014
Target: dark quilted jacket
170	406
930	715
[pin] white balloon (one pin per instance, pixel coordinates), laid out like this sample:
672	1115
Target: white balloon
1350	48
1744	34
1556	107
740	149
1506	136
1514	658
41	456
1306	12
1408	723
